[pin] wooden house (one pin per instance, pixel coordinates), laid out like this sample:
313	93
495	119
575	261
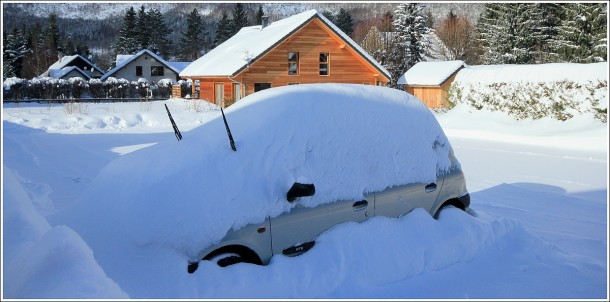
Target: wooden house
430	81
144	64
304	48
73	66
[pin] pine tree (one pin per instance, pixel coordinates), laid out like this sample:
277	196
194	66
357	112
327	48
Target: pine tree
239	19
83	50
157	40
51	41
259	15
35	61
223	31
193	38
143	29
52	33
127	40
15	49
409	43
507	33
582	36
344	22
329	15
546	21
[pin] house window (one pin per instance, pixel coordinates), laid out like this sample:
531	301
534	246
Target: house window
293	63
138	71
324	64
261	86
293	83
156	71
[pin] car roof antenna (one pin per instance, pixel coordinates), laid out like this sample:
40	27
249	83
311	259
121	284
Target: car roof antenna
228	130
176	131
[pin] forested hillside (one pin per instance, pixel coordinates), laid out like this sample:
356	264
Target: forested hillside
34	35
92	29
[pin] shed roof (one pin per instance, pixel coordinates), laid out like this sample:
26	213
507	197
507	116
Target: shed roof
430	73
250	43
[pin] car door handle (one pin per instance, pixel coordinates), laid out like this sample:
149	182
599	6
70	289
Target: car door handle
431	188
360	205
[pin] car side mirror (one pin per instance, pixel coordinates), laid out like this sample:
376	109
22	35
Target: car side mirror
300	190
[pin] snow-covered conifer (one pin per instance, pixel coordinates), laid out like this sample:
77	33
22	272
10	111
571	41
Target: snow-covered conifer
409	43
507	33
193	38
240	19
127	41
344	21
157	36
223	30
258	17
583	33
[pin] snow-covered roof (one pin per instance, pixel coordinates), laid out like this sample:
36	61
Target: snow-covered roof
430	73
126	60
60	73
534	73
121	58
179	65
250	43
65	61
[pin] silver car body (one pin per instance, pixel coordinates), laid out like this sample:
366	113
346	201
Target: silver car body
294	232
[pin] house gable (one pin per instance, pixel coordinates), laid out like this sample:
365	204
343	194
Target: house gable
144	64
344	64
254	42
309	34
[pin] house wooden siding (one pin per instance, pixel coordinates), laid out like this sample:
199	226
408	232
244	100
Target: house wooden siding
433	96
345	65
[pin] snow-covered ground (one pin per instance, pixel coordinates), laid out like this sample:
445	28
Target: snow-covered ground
537	227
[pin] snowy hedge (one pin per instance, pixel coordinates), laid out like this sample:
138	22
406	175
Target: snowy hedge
76	88
559	99
560	91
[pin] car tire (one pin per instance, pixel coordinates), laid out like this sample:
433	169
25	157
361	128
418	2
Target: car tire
226	257
443	207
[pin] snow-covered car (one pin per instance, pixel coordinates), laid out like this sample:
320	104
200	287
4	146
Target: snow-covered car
308	157
315	156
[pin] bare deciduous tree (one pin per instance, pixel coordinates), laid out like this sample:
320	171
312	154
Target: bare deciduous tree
459	37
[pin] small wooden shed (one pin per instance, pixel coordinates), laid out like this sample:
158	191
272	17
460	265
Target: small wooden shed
430	81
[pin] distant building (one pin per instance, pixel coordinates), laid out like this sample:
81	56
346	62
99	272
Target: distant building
73	66
145	64
430	81
304	48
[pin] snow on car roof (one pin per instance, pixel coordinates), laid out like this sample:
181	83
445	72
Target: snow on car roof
250	42
346	139
430	73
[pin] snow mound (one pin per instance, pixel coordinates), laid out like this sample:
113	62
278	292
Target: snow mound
46	262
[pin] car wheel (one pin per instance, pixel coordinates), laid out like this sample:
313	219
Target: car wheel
227	259
233	255
443	207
